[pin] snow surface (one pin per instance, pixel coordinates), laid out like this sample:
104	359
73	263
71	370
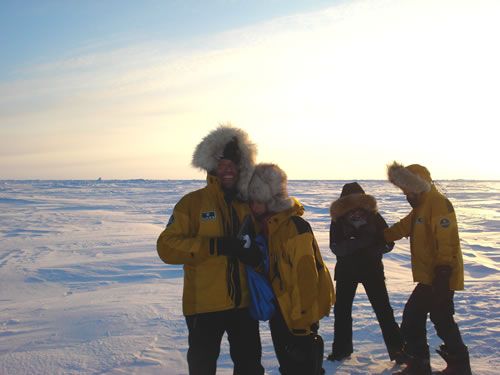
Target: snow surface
82	290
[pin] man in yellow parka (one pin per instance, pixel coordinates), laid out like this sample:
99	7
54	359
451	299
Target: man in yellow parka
299	278
201	235
437	267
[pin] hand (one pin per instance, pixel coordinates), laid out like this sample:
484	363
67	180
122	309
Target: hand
229	246
243	249
251	256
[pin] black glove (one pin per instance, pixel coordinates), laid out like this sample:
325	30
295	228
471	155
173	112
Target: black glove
231	246
441	282
251	256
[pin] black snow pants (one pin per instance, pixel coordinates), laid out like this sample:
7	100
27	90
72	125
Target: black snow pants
296	354
423	301
376	291
205	336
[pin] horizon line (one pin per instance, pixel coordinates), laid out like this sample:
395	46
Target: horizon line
202	179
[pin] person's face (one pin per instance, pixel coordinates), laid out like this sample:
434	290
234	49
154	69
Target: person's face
357	214
412	198
227	173
258	209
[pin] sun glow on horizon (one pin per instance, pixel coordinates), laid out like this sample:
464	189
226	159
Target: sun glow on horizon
330	94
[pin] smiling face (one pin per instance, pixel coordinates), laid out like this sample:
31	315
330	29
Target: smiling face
227	173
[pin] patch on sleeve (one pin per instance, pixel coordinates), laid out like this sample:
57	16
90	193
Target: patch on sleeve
171	220
210	215
445	223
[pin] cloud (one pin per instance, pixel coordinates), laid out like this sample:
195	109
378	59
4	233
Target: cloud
380	67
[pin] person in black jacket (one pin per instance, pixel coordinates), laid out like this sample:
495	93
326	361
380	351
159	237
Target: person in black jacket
356	238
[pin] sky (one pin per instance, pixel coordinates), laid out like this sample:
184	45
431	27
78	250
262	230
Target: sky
326	89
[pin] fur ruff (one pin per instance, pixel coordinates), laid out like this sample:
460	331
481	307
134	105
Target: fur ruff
269	185
209	151
409	179
343	205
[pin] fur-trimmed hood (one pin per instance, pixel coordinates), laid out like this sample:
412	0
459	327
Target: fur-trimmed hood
209	151
347	203
269	185
414	178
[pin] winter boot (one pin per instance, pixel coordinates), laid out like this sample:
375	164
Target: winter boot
338	356
339	353
456	363
399	356
416	366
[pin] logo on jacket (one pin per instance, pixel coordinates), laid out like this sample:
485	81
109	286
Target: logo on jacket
445	223
210	215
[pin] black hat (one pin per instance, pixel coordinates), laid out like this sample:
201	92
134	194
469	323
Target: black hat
351	188
232	151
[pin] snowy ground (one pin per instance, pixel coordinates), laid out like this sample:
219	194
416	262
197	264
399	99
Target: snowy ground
82	290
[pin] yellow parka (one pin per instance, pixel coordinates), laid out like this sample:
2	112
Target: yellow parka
432	228
211	282
300	279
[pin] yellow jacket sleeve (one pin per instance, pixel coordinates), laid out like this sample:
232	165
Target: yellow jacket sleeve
305	293
400	229
179	242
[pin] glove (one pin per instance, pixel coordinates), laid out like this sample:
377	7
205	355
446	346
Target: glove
229	246
441	282
244	249
251	256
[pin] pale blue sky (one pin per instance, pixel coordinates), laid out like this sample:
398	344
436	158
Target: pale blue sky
35	31
326	89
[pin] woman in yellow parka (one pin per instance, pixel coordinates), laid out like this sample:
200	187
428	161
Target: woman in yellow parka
437	267
300	279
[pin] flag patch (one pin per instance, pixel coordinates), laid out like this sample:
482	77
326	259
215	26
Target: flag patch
210	215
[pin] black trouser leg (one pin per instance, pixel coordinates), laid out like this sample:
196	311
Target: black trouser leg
342	331
413	326
294	352
205	335
376	291
281	336
441	313
244	343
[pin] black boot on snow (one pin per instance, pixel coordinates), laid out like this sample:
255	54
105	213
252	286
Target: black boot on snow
336	356
456	363
339	353
416	366
399	356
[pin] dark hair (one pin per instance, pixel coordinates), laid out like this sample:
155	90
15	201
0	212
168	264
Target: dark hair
232	151
351	188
